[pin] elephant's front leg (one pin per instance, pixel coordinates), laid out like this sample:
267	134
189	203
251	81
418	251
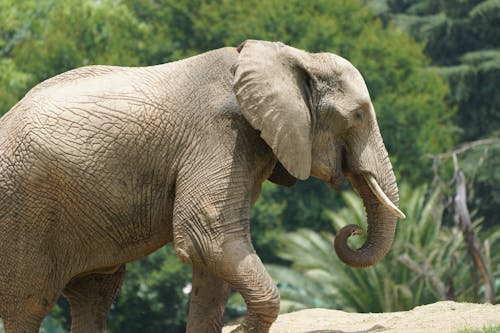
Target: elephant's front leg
244	271
241	268
208	301
211	231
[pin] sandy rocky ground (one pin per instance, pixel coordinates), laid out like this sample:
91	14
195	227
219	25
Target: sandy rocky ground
441	317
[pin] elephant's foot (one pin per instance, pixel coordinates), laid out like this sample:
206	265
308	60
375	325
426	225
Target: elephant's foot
253	282
252	324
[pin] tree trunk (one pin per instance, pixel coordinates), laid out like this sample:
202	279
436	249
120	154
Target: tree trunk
470	237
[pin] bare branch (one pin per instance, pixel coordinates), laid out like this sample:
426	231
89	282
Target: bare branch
470	236
462	214
464	147
437	158
428	273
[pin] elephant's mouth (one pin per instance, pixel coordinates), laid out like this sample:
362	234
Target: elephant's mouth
337	182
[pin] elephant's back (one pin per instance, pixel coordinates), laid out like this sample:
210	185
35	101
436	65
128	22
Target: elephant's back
115	114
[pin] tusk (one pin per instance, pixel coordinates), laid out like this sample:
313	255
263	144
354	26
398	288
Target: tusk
382	197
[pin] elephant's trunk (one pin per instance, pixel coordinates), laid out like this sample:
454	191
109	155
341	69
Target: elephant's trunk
380	199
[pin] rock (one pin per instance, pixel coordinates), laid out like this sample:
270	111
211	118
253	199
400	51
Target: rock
441	317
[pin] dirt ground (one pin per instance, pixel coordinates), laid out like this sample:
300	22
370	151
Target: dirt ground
441	317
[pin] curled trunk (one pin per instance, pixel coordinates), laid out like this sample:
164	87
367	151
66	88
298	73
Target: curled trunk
381	223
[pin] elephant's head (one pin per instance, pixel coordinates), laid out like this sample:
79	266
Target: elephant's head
315	112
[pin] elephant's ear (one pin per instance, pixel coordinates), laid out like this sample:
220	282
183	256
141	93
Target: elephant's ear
270	85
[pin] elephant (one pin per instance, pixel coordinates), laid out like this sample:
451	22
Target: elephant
102	165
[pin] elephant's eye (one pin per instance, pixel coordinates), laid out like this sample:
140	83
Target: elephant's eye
358	115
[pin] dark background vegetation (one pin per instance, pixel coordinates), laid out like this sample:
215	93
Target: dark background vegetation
432	68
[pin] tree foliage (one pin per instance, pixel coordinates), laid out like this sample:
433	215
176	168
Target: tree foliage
39	39
154	296
462	42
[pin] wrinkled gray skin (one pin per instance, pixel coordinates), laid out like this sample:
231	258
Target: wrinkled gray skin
103	165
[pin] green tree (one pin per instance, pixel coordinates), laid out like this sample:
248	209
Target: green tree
13	80
267	221
40	39
463	45
154	296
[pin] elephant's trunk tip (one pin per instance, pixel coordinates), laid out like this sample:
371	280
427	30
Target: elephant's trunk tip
344	252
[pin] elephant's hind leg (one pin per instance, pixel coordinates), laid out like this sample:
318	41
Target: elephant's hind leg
27	293
25	323
24	309
90	298
22	322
